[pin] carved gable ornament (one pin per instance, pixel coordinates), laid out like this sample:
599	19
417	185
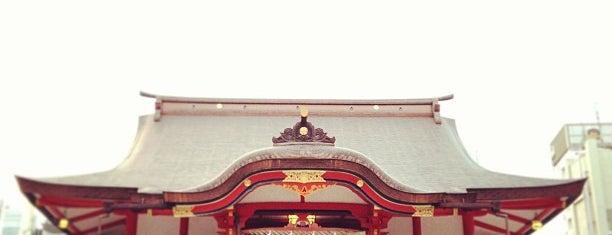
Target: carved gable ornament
304	182
303	132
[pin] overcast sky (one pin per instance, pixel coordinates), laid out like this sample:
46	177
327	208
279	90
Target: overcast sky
71	70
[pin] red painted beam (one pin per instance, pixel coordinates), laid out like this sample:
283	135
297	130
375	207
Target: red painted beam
67	202
278	176
540	203
514	217
460	211
490	227
87	215
541	216
369	191
443	211
156	212
59	215
245	210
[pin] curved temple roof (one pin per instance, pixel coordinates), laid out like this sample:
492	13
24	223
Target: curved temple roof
195	142
192	145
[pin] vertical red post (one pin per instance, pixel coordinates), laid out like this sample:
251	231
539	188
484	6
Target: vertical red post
374	221
131	223
416	226
468	223
184	226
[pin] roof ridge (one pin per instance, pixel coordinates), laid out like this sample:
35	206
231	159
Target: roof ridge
413	101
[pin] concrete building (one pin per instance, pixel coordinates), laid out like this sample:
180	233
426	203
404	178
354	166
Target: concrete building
585	151
24	220
17	221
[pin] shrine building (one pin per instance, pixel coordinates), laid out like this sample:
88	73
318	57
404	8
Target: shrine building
298	167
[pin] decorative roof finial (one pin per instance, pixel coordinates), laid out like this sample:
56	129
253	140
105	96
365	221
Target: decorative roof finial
304	111
303	131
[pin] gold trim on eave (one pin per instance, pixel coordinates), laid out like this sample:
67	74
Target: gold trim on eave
423	211
304	176
182	211
303	189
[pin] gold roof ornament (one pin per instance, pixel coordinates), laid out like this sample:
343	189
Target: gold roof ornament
304	111
303	131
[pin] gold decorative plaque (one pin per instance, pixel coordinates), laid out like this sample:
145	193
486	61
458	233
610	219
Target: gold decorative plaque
423	211
304	176
182	211
304	189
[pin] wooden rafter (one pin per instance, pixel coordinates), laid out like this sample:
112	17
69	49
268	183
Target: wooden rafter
491	227
539	203
514	217
68	202
87	215
544	214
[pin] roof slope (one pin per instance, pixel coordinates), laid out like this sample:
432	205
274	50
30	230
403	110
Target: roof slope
193	144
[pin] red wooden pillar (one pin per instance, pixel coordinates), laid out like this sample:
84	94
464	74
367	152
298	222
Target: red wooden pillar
374	221
131	223
468	223
184	226
416	226
373	231
231	222
378	221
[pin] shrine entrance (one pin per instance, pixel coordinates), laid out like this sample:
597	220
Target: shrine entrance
336	219
302	202
302	232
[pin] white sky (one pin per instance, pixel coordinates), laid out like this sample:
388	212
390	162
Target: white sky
71	70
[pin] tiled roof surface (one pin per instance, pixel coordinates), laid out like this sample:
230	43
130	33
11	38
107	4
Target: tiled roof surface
184	151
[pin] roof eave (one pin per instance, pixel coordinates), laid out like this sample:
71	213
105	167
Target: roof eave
572	188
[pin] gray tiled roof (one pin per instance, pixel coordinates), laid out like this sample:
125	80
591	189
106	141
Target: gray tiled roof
186	152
